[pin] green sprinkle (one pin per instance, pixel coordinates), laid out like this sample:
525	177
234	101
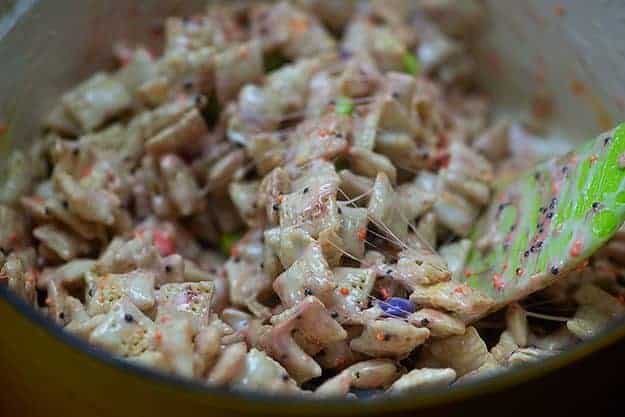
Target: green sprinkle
274	61
340	165
411	64
344	105
227	241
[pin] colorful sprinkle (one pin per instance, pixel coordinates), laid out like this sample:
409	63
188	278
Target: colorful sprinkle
498	282
396	307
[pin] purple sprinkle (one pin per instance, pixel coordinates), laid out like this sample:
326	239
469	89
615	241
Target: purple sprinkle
396	307
345	54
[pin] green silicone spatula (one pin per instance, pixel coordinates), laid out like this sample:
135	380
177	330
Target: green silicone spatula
549	221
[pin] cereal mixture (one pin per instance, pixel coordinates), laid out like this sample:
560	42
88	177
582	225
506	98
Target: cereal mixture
281	200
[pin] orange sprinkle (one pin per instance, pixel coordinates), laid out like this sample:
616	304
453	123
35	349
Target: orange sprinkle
582	265
593	158
324	132
234	251
621	299
86	171
443	160
559	10
576	249
498	282
577	87
385	293
380	337
459	290
467	274
299	26
280	198
158	336
3	129
344	291
362	234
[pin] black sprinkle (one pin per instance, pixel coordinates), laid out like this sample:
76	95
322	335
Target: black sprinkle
541	230
61	315
555	270
550	215
542	209
565	169
539	244
532	248
285	377
276	207
389	271
128	318
262	265
395	95
340	211
607	140
595	205
501	207
537	175
201	101
334	314
357	375
168	268
236	259
526	253
425	321
538	225
188	85
308	291
512	228
90	292
552	204
518	271
305	190
65	204
387	337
